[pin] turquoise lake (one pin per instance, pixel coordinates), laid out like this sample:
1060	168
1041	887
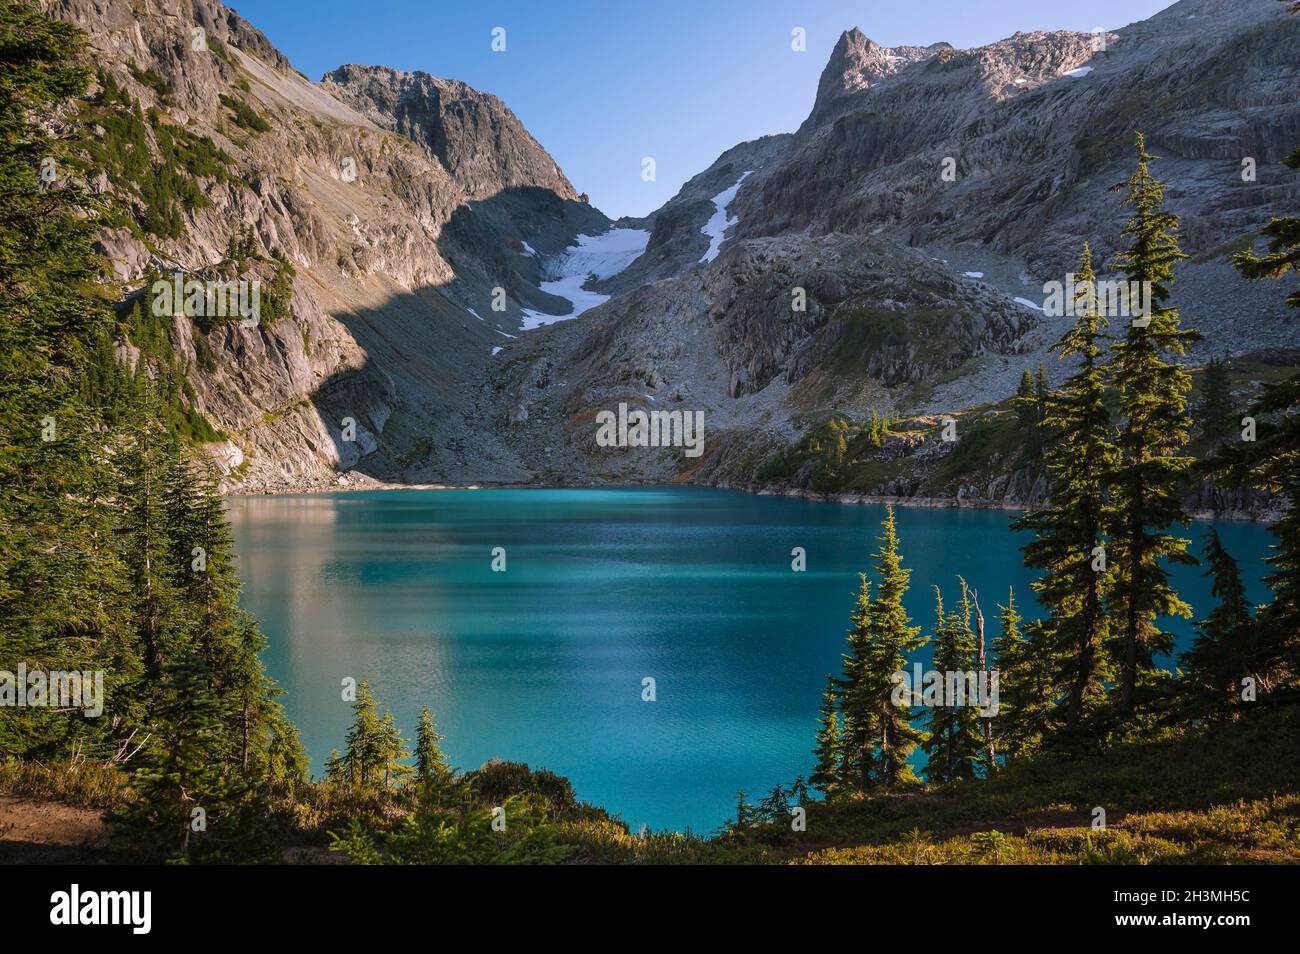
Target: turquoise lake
544	663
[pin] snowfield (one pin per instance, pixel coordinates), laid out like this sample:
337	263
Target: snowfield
601	255
718	223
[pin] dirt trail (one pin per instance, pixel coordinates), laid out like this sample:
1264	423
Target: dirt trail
36	831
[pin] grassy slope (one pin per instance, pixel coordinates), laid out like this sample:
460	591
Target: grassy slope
1228	792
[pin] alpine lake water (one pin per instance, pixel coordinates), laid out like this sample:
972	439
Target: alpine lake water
544	662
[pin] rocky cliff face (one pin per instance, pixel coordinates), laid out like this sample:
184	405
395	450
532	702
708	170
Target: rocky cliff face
919	209
401	202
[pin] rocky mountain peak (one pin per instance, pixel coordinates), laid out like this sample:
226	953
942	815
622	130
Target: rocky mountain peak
474	135
858	62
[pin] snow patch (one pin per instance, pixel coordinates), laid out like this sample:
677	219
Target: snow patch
600	255
718	223
1080	72
528	249
496	351
1028	304
474	313
973	274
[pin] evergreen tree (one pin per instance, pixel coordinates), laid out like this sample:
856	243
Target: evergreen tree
828	772
879	737
954	741
1224	649
99	510
1153	404
1025	697
1080	459
374	746
1041	392
1025	401
1216	412
1272	461
60	577
190	804
432	767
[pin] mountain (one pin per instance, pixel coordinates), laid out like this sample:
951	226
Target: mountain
925	291
915	216
399	201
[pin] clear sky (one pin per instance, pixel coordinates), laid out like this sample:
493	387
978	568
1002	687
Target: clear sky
604	84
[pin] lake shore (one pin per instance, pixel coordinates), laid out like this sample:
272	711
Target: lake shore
364	483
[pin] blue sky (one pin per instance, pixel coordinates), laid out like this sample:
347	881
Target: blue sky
602	85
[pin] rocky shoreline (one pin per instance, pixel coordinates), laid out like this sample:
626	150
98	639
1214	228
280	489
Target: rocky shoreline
360	483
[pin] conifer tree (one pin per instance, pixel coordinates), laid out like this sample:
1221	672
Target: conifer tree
432	768
60	577
1025	697
96	511
954	742
1025	401
1215	415
879	737
827	774
1153	404
364	756
1272	461
1224	650
188	801
1067	532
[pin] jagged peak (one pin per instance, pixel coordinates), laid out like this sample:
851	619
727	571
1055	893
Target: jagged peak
476	136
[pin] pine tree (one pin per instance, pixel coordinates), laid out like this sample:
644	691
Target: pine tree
393	751
879	737
61	581
954	741
364	755
1224	651
1216	415
1272	461
1025	401
189	802
1024	695
148	552
1153	403
432	767
1080	459
828	772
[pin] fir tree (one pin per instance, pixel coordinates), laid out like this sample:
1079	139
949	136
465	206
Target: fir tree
1025	402
1272	461
1216	415
1067	532
374	746
1153	403
1224	649
879	737
829	751
432	768
954	741
1024	694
